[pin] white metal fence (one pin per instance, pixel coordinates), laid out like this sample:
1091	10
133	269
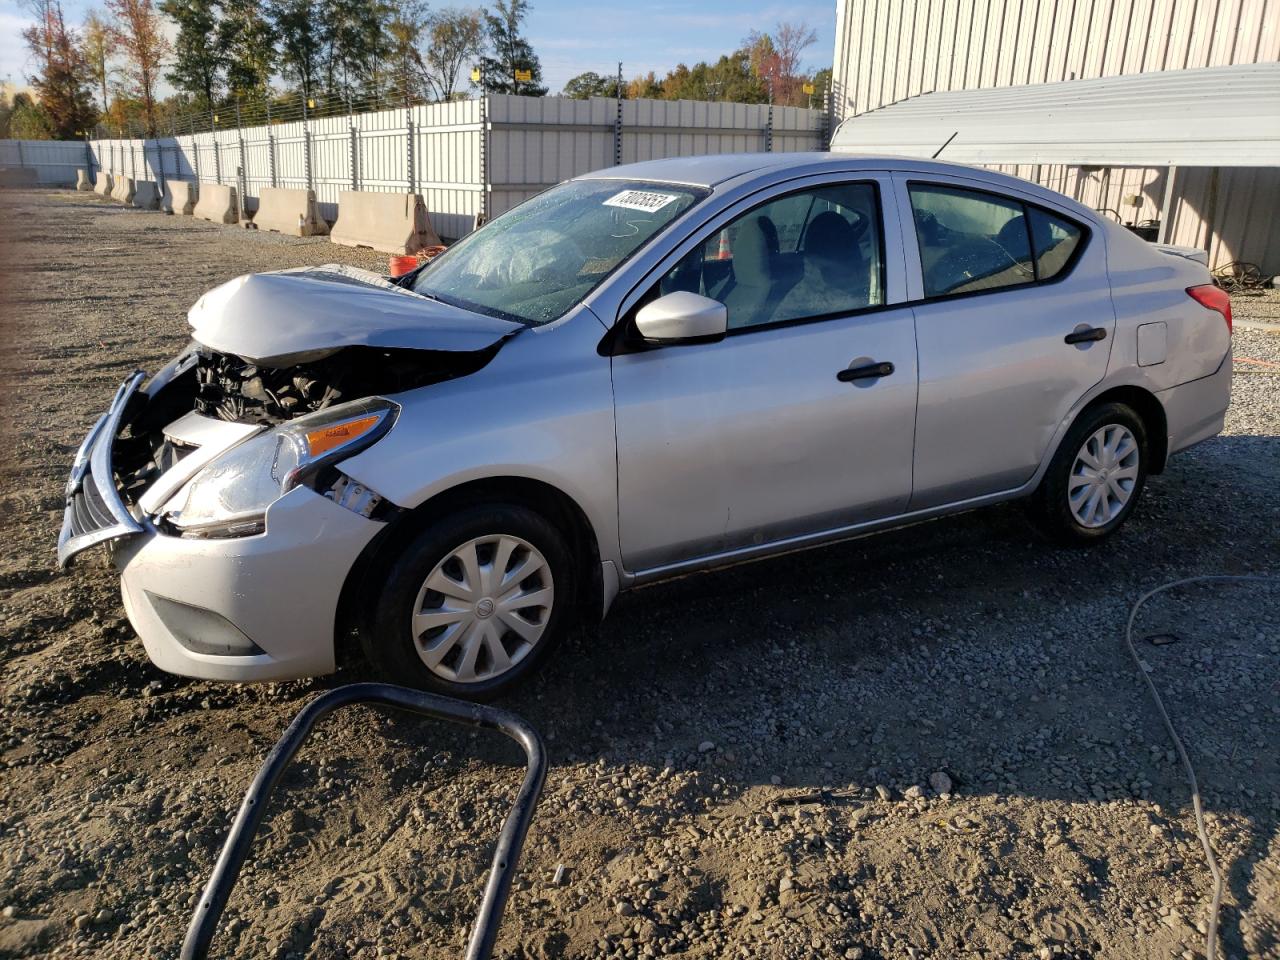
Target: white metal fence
466	158
54	161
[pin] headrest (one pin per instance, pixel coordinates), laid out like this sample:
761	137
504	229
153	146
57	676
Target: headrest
830	236
752	263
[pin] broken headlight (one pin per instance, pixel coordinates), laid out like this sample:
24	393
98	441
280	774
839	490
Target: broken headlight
230	496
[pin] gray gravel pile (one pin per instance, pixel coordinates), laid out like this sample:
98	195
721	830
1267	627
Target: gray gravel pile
925	744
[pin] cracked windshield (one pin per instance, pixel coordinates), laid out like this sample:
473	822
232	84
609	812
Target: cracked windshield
534	263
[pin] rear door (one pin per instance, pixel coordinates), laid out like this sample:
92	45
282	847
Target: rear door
767	434
1014	324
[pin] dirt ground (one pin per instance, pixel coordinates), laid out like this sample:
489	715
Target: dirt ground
744	764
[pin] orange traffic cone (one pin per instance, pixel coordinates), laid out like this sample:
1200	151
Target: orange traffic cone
724	253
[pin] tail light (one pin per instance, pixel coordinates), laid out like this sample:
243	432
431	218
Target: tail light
1214	298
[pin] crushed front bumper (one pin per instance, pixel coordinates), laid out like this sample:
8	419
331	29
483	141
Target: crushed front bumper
243	609
95	511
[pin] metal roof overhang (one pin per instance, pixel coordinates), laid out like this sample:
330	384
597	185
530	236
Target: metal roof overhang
1212	117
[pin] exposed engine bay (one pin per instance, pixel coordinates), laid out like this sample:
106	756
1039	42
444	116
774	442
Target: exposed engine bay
229	388
234	389
272	348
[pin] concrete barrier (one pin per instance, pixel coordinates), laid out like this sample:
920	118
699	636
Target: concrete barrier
19	177
82	180
179	197
216	202
102	186
146	194
390	222
289	211
122	190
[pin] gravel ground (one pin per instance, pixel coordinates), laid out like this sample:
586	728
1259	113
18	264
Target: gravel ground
1257	306
930	743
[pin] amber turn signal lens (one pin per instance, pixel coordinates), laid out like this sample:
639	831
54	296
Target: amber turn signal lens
327	438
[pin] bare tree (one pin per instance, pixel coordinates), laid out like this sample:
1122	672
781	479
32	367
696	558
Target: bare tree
99	46
775	59
455	38
791	40
137	29
40	37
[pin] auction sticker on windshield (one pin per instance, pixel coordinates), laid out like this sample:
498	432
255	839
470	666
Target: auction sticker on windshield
641	200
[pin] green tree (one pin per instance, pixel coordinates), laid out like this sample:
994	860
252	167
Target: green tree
248	43
301	54
511	52
355	47
821	81
26	120
591	84
729	79
406	24
199	57
454	41
62	82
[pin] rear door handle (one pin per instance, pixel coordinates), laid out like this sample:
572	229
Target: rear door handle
1086	335
865	372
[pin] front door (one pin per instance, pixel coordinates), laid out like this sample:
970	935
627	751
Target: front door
801	419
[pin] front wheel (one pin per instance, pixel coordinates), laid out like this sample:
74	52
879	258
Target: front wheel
472	604
1096	477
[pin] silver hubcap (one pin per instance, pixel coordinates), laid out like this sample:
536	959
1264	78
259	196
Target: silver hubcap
483	608
1103	476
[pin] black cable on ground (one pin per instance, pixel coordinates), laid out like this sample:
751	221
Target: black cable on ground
1211	936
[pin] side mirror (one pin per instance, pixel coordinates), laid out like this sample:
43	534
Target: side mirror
682	317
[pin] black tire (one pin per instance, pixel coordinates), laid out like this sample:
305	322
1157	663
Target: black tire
385	621
1050	507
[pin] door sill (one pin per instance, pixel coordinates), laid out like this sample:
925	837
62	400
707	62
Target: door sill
821	537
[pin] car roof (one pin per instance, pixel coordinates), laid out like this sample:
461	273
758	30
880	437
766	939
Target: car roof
711	170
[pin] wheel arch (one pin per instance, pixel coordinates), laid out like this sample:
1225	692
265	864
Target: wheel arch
1151	411
537	495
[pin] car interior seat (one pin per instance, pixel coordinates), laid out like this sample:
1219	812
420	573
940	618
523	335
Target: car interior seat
751	296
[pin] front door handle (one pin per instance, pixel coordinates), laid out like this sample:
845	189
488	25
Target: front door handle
1086	335
865	372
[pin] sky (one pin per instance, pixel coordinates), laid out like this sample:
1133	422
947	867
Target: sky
571	37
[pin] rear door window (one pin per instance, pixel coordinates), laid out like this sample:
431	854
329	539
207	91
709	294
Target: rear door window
969	240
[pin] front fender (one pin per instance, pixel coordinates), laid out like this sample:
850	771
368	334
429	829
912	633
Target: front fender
541	410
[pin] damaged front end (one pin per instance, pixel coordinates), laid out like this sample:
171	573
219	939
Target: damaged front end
272	395
95	511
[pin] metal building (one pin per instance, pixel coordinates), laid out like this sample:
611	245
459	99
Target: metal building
887	51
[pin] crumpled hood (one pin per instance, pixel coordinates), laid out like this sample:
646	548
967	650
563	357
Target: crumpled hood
278	319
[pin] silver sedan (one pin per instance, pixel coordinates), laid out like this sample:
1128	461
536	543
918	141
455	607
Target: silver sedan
647	371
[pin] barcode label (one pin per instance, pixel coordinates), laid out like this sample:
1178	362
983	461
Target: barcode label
640	200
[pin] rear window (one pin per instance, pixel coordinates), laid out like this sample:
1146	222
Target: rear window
1055	241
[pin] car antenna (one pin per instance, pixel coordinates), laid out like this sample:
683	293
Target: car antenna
945	145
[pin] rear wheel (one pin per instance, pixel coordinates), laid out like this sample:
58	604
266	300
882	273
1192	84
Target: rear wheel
1095	478
473	603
